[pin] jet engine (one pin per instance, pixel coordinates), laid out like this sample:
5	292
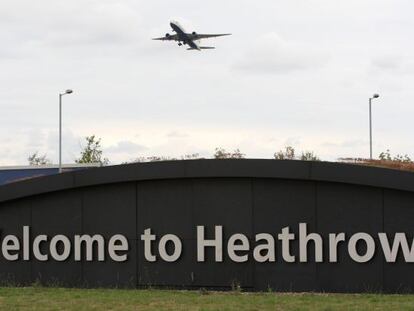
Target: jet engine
167	34
194	33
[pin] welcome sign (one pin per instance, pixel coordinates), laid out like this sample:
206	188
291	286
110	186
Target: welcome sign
285	225
237	247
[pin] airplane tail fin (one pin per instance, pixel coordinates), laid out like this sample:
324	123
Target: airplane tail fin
203	48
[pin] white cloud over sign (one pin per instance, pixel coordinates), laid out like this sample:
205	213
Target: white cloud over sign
270	54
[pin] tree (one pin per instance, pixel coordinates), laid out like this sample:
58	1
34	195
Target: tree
36	159
159	158
289	154
386	156
237	154
92	152
309	156
192	156
221	153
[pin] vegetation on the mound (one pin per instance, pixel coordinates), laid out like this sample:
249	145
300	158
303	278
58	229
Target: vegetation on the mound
92	153
386	160
36	159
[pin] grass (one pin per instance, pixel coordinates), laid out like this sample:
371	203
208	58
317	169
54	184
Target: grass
42	298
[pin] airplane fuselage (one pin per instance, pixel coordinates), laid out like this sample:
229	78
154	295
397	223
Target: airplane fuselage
187	38
183	36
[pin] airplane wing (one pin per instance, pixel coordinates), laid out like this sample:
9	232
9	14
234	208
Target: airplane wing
197	36
168	38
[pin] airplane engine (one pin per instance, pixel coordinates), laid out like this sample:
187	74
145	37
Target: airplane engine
194	33
167	34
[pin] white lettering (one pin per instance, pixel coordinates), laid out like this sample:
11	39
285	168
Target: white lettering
147	237
162	247
10	243
369	241
286	237
400	239
217	243
304	238
269	247
66	247
232	247
89	241
36	248
334	239
118	243
26	243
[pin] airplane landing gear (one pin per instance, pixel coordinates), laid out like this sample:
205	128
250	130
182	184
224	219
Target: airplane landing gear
180	44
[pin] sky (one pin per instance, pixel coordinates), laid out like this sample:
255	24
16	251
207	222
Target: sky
297	73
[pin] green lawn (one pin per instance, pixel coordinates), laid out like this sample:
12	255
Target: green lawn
41	298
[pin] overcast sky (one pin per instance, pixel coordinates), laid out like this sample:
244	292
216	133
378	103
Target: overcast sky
295	72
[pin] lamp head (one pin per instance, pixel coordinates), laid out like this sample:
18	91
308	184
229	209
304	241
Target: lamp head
375	96
70	91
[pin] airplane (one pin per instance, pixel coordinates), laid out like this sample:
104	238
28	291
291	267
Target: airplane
184	38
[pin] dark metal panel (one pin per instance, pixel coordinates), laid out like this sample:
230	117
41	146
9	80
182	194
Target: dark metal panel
177	207
349	209
399	217
13	216
57	213
109	273
110	209
362	175
226	274
279	204
36	186
165	206
223	201
252	168
226	202
287	169
244	196
130	172
160	273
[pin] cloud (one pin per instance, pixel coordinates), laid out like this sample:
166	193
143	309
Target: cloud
346	144
275	72
125	146
104	23
293	141
392	64
71	145
177	134
69	27
271	54
27	141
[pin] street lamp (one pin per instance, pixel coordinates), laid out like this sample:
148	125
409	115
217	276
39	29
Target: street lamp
370	125
60	127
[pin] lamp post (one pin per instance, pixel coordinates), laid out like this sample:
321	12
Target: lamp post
60	127
370	125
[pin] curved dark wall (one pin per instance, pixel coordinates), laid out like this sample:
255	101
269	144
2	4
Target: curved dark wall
244	196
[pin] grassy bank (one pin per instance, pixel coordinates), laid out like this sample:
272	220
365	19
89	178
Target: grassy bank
39	298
